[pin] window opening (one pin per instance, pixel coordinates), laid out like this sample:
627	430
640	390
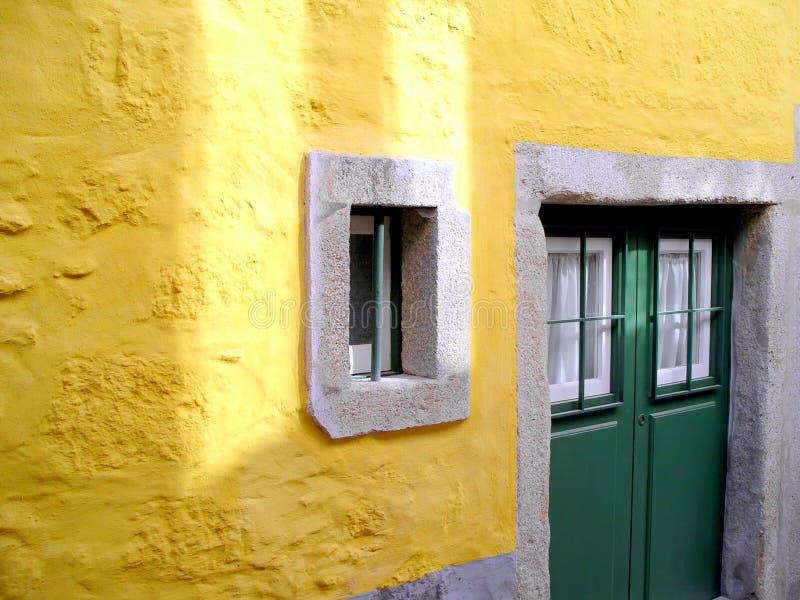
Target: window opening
374	337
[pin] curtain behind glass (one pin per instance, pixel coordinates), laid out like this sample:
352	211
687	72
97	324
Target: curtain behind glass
673	294
563	298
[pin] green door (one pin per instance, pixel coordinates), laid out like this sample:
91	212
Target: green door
638	347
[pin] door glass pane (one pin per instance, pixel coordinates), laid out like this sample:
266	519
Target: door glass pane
598	277
563	302
672	340
562	353
702	339
673	295
598	357
563	278
593	292
595	334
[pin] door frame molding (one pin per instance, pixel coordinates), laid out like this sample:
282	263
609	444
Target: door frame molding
760	345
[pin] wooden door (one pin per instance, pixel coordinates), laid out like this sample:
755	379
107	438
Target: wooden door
638	368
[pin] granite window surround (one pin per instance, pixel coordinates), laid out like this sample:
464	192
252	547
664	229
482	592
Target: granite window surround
435	281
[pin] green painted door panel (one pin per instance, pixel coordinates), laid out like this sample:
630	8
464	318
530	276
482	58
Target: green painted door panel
584	504
591	459
686	495
679	458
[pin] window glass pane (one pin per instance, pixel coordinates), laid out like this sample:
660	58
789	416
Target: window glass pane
702	273
598	276
594	350
702	338
673	281
594	293
597	367
563	278
361	292
673	275
562	353
672	341
362	305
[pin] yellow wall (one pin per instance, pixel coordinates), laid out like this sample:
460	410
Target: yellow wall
153	442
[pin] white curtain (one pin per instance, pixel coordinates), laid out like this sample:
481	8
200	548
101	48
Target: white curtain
563	289
563	302
673	294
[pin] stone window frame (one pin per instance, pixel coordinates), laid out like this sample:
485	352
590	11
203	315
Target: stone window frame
435	281
567	175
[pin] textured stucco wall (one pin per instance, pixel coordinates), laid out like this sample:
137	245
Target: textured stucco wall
153	438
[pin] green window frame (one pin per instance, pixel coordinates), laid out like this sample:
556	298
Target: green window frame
720	253
617	316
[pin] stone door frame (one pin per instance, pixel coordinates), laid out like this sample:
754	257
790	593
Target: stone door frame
564	175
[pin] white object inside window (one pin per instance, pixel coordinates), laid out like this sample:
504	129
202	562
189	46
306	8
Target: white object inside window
673	294
563	302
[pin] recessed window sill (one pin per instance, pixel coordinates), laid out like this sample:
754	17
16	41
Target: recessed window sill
394	379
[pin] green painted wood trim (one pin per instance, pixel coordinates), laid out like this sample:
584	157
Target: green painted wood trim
582	325
690	318
396	239
378	232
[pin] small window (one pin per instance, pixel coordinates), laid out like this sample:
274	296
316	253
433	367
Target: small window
579	317
682	301
366	291
374	309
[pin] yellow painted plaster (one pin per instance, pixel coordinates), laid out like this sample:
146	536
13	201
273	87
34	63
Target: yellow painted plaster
153	440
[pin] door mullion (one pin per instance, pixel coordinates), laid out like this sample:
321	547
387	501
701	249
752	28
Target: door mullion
690	316
645	281
582	326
